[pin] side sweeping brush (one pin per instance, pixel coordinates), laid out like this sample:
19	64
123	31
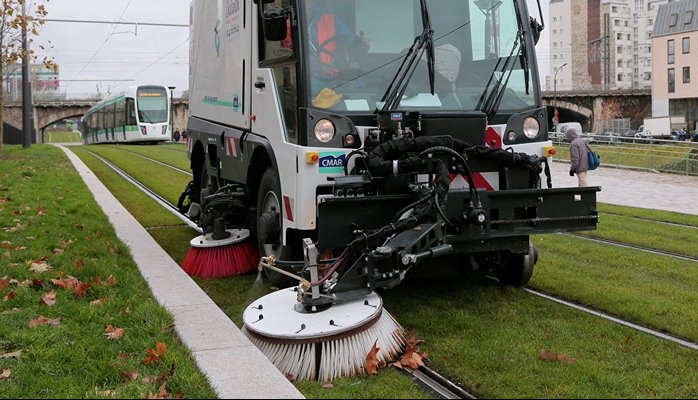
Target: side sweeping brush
221	253
324	345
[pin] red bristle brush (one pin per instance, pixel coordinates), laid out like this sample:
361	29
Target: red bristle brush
221	253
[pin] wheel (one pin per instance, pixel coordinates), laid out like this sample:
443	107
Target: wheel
269	227
518	268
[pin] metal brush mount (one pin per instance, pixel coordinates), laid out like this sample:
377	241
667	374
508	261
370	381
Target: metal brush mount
224	209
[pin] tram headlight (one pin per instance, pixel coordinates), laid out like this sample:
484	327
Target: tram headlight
324	130
531	127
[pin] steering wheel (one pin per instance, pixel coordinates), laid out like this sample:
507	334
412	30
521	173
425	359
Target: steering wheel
348	47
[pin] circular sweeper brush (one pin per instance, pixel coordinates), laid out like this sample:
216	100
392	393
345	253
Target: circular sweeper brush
322	345
221	254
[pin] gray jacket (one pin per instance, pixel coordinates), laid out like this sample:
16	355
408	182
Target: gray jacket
579	159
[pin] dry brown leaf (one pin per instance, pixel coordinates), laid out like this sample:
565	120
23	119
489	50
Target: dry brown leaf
37	268
547	355
129	376
98	302
58	251
154	355
167	328
411	358
49	298
113	332
372	359
5	374
14	354
78	263
10	296
81	289
3	284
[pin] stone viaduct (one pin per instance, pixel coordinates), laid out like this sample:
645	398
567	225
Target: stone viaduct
590	108
46	114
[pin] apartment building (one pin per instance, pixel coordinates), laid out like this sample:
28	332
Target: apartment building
675	62
601	44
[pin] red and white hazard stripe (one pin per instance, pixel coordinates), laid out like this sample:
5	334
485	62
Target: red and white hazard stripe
232	147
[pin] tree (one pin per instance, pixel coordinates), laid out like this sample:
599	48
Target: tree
13	23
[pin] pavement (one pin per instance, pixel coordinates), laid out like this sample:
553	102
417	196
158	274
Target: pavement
636	188
233	365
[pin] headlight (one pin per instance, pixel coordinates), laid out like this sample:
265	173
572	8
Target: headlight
531	127
324	130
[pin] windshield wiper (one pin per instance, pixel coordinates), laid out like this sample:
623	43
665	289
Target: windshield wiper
489	103
424	42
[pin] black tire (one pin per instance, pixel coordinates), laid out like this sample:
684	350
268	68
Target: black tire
269	227
519	268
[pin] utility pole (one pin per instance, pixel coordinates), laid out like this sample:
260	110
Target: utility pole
27	109
556	117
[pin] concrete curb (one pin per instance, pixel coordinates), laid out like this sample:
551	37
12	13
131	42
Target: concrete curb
235	367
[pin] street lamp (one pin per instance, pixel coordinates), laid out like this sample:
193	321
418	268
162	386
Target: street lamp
556	117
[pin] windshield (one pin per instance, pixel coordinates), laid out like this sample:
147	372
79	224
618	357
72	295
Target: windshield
355	47
152	105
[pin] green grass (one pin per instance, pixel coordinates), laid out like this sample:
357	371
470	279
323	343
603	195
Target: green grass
62	137
487	337
679	157
49	216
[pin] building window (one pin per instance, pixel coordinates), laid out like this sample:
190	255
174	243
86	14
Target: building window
686	74
672	80
688	17
673	18
670	51
686	45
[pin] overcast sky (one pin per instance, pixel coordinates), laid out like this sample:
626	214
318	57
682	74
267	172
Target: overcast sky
106	57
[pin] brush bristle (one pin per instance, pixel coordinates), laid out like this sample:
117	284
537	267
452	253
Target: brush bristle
223	261
345	357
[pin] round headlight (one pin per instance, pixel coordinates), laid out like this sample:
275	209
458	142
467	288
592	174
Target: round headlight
511	136
531	127
324	130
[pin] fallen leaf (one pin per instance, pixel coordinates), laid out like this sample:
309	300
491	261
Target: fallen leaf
14	354
129	376
411	358
3	284
167	328
154	355
372	360
5	374
49	298
81	289
98	302
547	355
113	332
10	296
38	268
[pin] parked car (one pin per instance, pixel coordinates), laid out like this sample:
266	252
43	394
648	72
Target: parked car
607	137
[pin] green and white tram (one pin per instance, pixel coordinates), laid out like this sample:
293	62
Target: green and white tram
137	114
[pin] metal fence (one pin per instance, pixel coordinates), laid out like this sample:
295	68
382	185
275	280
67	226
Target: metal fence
666	156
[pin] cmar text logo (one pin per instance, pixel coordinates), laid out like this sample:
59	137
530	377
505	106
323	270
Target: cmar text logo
332	163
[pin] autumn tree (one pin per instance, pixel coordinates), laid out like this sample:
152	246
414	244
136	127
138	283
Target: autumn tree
15	21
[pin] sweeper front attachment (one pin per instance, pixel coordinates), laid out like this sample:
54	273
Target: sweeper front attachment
324	339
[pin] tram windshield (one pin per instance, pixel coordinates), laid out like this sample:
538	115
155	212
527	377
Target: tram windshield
152	105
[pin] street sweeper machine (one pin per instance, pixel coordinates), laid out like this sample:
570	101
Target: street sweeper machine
351	142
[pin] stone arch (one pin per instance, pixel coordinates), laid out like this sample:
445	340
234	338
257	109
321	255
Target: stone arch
571	112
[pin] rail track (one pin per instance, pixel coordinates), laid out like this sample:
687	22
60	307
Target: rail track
426	377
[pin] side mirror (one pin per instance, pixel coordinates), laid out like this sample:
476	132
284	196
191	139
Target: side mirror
275	23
